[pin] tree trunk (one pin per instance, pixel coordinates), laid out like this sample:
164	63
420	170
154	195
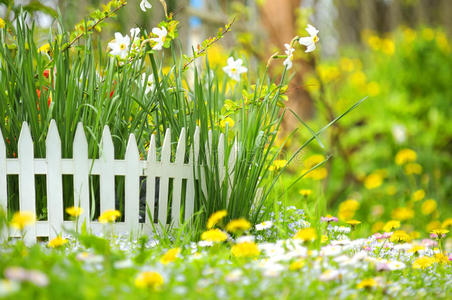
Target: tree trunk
279	20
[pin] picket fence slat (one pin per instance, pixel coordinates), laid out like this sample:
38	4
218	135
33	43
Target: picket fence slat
27	194
171	208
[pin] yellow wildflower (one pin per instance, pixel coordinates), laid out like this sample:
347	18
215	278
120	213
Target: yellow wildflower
215	218
109	216
245	249
170	256
400	236
74	211
391	225
238	225
305	192
227	120
347	209
388	46
373	181
22	219
358	79
2	23
353	223
277	165
405	156
324	238
367	283
402	213
297	265
441	258
433	225
45	48
57	242
373	88
306	234
423	262
428	207
416	249
439	232
377	226
214	235
320	172
418	195
346	64
447	223
413	168
149	279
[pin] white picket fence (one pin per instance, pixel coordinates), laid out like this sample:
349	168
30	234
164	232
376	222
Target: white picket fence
107	167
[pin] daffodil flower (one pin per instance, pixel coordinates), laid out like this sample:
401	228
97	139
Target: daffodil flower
144	5
148	81
160	39
120	45
310	40
289	52
234	68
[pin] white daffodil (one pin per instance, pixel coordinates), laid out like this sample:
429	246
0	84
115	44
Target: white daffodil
289	52
120	45
160	39
147	81
234	68
135	33
144	5
310	40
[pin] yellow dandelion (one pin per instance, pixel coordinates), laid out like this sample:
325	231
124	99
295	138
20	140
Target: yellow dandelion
441	232
227	120
306	234
367	283
416	249
45	48
423	262
320	172
214	235
441	258
297	265
402	213
74	211
57	242
277	165
245	249
149	279
428	207
400	236
170	256
377	226
447	223
215	218
413	168
418	195
373	181
22	219
405	156
109	216
2	23
391	225
353	223
433	225
238	225
305	192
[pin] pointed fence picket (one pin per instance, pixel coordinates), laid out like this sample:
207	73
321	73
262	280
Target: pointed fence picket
160	174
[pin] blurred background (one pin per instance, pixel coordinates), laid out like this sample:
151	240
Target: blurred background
391	156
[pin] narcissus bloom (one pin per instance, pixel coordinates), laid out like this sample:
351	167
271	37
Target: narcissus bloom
160	39
234	68
109	216
147	81
310	40
144	5
289	52
120	45
149	279
22	219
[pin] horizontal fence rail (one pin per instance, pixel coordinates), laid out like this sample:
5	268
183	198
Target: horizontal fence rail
107	167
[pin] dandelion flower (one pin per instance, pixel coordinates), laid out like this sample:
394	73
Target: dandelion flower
391	225
305	192
423	262
215	218
109	216
306	234
245	249
149	279
170	256
418	195
373	181
74	211
402	213
367	283
399	236
227	120
428	207
238	225
447	223
214	235
57	242
311	40
404	156
22	219
439	233
277	165
297	265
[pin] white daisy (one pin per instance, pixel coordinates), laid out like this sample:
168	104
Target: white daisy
264	225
